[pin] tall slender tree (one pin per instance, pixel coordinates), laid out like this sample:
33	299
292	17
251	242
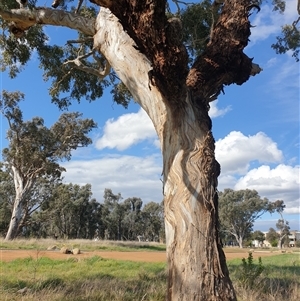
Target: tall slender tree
34	152
145	46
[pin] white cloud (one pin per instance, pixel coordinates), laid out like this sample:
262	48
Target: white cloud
141	177
129	175
214	111
236	151
127	130
280	183
133	128
268	22
271	62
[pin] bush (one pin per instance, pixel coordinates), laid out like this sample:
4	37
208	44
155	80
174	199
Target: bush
248	272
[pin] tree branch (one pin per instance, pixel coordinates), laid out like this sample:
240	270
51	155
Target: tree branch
223	62
23	19
77	64
146	23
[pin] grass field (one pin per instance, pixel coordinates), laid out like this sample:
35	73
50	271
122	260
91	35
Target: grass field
83	244
96	278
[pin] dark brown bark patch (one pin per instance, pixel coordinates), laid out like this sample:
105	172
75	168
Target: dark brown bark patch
158	39
223	62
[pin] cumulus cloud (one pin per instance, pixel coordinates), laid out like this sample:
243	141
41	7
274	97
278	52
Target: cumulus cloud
127	130
279	183
133	128
236	151
129	175
141	176
214	111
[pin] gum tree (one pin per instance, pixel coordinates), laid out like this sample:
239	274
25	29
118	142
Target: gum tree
149	51
34	152
240	209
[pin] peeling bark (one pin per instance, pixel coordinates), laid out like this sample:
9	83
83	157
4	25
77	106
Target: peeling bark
23	19
136	39
196	262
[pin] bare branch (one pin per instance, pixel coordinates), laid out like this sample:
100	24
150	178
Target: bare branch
77	64
23	19
79	41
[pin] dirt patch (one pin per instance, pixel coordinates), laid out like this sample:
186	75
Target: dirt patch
9	255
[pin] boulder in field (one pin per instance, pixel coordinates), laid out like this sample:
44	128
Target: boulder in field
52	248
65	250
76	251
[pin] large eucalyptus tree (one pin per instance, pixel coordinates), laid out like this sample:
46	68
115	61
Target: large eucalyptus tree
152	54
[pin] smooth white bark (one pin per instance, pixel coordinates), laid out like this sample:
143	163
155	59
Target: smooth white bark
22	188
24	18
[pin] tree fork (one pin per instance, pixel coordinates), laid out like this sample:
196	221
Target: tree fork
223	62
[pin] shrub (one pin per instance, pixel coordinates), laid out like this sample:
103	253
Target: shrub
248	272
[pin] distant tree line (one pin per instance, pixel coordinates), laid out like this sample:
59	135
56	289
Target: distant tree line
68	211
35	203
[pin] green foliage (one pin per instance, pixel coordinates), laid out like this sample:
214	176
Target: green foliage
70	212
34	152
197	20
7	194
289	39
272	237
258	235
32	145
238	211
16	52
278	5
284	231
248	272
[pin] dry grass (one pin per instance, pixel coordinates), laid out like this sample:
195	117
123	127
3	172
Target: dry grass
110	280
83	244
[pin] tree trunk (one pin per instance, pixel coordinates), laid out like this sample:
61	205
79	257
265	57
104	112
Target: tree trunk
15	220
21	189
196	262
240	241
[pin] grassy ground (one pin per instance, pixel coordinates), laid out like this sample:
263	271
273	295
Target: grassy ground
100	279
82	244
89	279
279	280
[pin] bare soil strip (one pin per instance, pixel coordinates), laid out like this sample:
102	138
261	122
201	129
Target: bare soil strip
9	255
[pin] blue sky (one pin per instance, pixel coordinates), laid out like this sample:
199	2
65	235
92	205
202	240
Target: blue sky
256	127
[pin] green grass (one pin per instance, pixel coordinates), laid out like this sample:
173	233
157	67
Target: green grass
280	279
92	278
100	279
83	244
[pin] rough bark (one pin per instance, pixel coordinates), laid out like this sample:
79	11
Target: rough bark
196	262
